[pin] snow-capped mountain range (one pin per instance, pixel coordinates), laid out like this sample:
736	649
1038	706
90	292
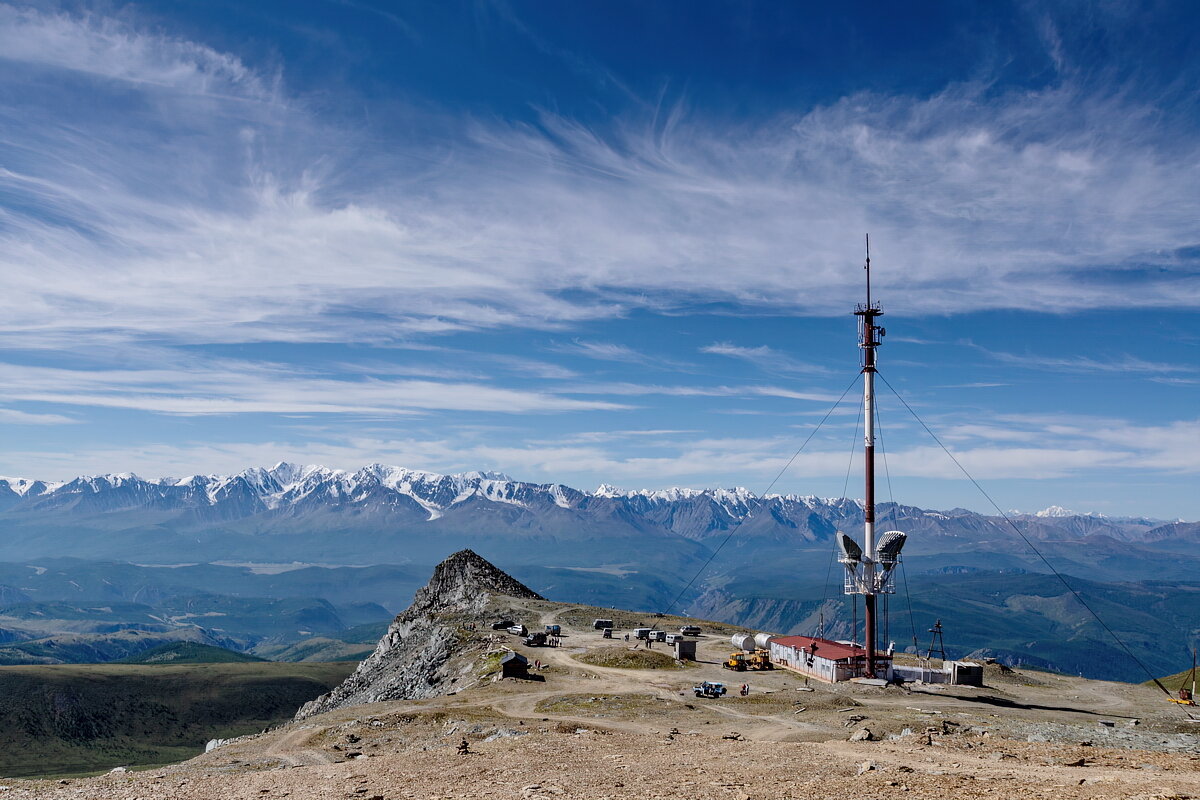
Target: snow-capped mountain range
285	485
386	514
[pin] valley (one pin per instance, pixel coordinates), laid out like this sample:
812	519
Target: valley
71	719
632	548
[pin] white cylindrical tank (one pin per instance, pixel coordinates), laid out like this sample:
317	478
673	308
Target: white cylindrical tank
763	640
743	641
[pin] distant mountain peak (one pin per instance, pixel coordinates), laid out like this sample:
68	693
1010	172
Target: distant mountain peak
1059	511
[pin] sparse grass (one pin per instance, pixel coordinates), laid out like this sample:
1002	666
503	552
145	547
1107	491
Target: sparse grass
1177	681
188	653
623	658
489	663
70	719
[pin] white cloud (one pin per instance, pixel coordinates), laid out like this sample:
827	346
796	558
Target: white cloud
105	47
240	387
672	457
764	357
633	389
240	222
12	416
1119	363
610	351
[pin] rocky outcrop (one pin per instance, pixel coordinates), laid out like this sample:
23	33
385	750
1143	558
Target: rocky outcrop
420	656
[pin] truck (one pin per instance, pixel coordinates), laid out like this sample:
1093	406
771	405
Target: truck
711	689
554	630
690	630
601	624
501	624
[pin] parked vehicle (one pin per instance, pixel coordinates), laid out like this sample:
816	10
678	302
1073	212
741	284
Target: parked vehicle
607	633
535	640
518	630
641	633
555	630
602	623
760	659
672	638
690	630
501	624
657	636
711	689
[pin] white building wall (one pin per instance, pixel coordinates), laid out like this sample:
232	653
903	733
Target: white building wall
921	674
795	659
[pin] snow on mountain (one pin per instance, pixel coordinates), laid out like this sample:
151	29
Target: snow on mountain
291	486
289	491
1059	512
25	486
380	513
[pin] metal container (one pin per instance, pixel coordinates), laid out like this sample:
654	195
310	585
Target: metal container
762	641
743	641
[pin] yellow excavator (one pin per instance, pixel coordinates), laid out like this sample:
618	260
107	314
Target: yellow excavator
742	661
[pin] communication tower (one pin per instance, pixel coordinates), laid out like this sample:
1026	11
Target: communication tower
869	567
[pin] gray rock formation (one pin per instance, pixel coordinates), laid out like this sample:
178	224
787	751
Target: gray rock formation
426	648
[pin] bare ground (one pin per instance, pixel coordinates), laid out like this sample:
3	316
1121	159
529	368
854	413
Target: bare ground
589	731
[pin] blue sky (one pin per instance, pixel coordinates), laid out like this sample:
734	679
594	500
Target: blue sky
605	242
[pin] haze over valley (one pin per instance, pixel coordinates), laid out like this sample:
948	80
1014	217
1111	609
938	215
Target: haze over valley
296	562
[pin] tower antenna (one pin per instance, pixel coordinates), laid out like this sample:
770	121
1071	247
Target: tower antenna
867	267
869	567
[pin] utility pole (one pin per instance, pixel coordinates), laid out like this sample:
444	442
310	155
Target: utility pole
936	643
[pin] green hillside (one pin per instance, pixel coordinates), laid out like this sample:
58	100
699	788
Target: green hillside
318	648
188	653
1179	679
68	719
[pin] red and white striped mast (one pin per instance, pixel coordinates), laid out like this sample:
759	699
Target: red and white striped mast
869	567
867	342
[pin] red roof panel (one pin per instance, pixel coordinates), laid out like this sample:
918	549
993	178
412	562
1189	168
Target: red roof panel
835	651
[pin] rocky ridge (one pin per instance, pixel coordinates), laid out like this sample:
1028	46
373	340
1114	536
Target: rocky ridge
424	652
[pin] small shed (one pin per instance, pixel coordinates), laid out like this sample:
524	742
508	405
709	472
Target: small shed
966	673
514	665
685	650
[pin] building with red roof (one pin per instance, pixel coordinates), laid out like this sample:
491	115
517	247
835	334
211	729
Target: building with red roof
826	660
